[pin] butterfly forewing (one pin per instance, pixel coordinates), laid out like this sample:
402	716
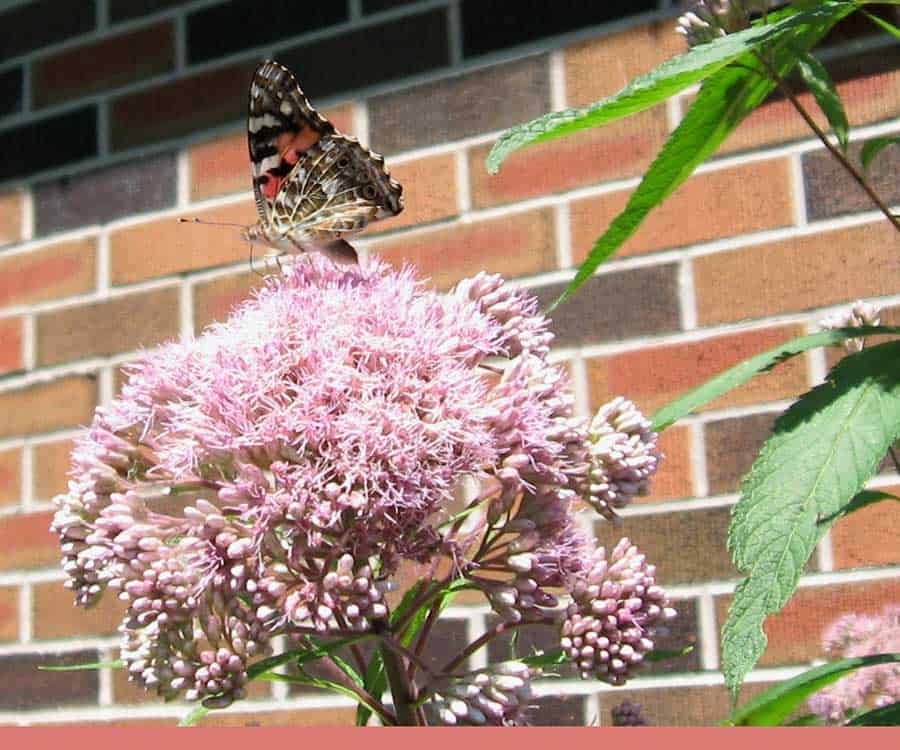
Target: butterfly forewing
312	184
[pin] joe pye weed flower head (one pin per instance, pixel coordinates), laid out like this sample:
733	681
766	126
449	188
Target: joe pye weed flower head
271	476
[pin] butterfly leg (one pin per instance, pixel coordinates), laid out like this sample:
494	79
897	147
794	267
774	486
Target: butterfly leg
261	275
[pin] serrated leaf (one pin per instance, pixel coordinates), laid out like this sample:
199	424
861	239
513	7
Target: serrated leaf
823	450
823	89
117	664
772	707
672	76
886	716
726	97
749	368
873	146
195	715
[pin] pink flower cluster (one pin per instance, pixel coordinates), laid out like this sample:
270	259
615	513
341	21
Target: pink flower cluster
270	476
867	688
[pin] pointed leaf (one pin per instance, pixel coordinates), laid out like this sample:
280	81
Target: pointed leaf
304	655
117	664
548	659
886	716
194	716
873	146
746	370
772	707
823	450
861	500
884	24
659	655
823	89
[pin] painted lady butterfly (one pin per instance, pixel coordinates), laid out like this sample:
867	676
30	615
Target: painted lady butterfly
313	185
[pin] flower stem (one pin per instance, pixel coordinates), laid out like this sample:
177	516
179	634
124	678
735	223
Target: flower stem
487	636
401	687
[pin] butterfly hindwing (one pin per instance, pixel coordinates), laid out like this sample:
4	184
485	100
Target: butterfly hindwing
311	183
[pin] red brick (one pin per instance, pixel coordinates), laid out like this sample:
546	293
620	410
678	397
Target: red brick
429	192
10	476
11	334
795	633
515	246
214	300
798	273
55	614
654	376
868	537
102	65
180	108
620	149
11	217
103	328
600	67
52	272
26	542
867	99
9	613
674	477
66	402
164	246
222	165
723	203
51	465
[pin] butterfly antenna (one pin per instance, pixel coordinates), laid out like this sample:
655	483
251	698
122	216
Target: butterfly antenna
195	220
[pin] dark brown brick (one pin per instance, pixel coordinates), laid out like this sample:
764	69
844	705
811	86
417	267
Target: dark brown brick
684	546
461	106
35	688
29	26
831	191
671	706
180	108
225	28
11	91
106	64
447	639
731	447
103	328
123	10
103	195
558	711
676	635
374	6
615	306
49	143
387	51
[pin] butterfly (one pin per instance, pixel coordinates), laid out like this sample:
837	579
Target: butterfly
313	185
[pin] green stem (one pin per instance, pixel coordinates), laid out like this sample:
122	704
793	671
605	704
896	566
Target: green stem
401	688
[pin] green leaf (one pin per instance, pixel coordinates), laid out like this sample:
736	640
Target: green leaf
823	89
659	655
304	678
861	500
886	716
741	373
807	720
117	664
873	146
726	97
823	450
667	79
195	715
303	655
548	659
886	25
772	707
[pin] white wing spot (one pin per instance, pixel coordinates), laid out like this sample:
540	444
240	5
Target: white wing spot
286	108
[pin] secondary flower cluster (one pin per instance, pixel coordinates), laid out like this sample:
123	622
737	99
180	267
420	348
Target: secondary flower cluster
269	477
860	313
499	696
867	688
709	19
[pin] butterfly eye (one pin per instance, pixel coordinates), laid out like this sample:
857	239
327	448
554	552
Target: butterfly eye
368	192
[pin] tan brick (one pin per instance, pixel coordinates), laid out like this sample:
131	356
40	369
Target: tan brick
654	376
620	149
9	613
66	402
600	67
26	542
724	203
10	476
868	537
798	273
11	334
222	165
103	328
795	633
11	216
312	717
60	270
164	246
429	192
51	465
866	99
515	246
214	300
55	614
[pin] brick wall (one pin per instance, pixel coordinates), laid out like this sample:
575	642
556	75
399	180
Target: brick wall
123	115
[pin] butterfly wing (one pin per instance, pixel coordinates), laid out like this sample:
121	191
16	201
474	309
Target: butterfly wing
311	183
